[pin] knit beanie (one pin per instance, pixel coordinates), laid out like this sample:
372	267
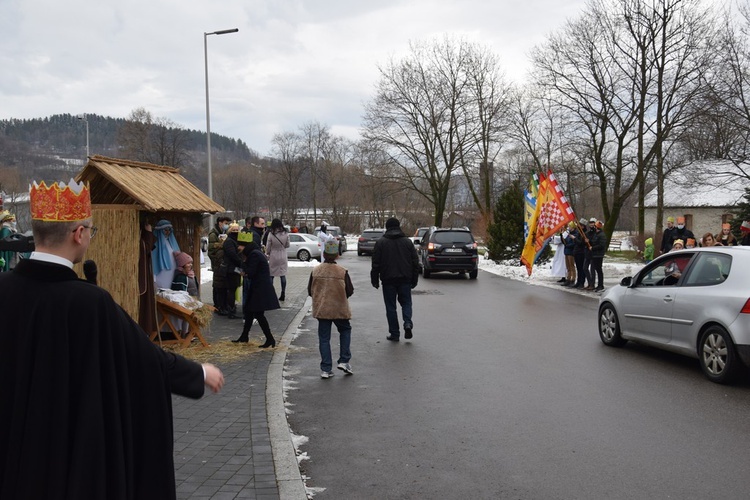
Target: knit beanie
181	258
392	223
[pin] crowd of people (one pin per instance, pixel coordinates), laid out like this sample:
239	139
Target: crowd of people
579	255
679	233
580	248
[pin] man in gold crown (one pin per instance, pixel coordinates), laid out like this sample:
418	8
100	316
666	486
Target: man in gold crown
85	398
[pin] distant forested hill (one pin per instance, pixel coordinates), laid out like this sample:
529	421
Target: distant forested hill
48	147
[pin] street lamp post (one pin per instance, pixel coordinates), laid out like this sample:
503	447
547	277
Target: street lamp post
208	114
83	117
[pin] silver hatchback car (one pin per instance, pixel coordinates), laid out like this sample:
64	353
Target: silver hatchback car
694	302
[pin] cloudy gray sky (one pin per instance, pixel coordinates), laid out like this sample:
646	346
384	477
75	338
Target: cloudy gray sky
293	61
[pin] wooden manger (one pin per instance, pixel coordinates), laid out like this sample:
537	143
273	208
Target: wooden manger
168	310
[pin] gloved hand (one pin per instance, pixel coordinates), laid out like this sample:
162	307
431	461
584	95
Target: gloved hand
414	284
376	284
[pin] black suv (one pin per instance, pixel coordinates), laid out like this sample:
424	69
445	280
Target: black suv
449	249
366	242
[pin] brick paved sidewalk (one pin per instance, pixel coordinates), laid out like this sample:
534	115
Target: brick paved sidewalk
222	443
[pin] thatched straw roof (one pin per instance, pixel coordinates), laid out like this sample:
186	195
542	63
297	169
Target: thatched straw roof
153	187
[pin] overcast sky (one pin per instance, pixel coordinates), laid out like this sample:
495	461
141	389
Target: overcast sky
293	61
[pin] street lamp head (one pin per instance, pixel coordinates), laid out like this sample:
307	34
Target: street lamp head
223	32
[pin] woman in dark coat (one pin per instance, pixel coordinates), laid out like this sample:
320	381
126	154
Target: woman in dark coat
262	294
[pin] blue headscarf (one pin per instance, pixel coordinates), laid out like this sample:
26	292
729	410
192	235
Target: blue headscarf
161	256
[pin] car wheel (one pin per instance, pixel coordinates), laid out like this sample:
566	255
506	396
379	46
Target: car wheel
473	274
609	327
303	255
717	355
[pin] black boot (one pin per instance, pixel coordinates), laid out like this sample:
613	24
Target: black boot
245	334
270	342
282	297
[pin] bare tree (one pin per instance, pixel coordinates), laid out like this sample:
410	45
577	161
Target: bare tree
730	94
288	170
425	114
338	154
314	138
237	188
624	72
159	141
491	98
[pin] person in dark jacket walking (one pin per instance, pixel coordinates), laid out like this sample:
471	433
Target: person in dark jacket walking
262	295
598	242
396	265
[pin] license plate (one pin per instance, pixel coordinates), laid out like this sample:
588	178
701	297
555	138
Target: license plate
453	250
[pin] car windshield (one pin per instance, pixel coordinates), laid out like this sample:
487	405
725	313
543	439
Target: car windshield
453	237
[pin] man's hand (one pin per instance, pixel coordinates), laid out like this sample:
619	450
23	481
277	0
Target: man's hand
375	284
214	377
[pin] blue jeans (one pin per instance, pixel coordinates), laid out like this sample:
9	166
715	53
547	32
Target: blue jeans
391	293
324	338
283	283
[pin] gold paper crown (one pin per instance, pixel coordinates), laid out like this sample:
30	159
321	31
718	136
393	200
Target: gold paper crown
60	203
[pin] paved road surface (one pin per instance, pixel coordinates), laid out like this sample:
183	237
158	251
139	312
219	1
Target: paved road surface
507	392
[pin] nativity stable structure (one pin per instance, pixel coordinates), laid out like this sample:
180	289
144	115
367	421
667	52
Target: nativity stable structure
124	196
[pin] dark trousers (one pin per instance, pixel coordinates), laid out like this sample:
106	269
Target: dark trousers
262	321
220	298
402	294
580	269
597	275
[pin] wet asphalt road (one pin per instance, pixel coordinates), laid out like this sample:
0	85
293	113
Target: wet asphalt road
507	392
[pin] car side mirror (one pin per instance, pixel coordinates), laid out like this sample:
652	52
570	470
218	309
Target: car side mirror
626	281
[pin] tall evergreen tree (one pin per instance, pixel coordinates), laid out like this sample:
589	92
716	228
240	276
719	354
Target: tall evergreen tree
505	232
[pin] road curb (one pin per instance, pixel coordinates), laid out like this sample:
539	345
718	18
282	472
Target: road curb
288	476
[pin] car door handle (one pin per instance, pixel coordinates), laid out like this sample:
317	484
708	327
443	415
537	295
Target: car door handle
667	298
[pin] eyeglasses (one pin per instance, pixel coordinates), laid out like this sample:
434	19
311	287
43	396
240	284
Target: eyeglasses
94	229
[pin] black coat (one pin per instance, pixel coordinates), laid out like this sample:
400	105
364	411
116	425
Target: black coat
232	258
598	242
262	294
85	403
394	260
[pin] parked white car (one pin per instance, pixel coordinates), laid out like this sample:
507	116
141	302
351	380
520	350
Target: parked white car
303	247
694	302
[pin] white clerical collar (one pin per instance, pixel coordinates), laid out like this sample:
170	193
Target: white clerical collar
48	257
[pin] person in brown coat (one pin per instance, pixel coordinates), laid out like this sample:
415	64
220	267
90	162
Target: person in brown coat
330	288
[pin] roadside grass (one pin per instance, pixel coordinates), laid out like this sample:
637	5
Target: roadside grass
625	256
